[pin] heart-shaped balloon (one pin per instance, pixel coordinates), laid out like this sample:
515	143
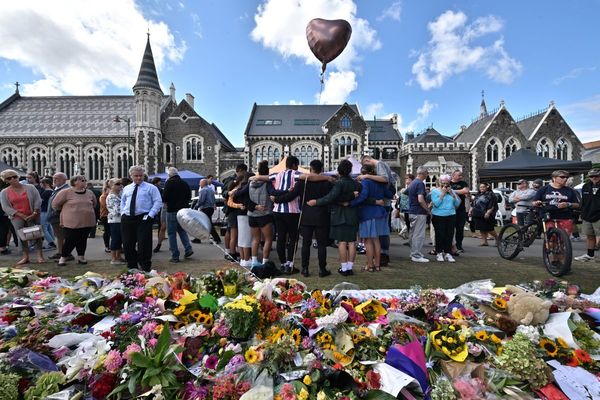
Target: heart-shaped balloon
327	38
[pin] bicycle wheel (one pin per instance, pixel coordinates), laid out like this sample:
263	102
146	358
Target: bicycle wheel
509	241
557	252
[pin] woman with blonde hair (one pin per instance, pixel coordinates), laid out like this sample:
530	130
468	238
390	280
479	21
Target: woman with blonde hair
113	205
22	203
77	217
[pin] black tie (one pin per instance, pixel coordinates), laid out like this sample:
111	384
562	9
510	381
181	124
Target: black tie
132	203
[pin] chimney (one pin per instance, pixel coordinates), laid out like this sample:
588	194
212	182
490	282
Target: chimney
395	121
189	99
172	91
463	128
410	136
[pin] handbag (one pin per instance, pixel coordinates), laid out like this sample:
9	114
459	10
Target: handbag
34	232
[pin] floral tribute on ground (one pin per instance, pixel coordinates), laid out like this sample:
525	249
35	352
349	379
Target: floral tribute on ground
226	335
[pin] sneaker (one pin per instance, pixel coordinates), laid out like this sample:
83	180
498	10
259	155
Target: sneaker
196	241
157	248
51	245
440	257
460	250
584	258
188	254
118	262
324	272
449	258
55	256
384	260
174	260
419	259
576	239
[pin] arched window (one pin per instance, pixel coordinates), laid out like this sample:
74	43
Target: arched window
430	181
344	146
491	151
37	158
543	148
345	122
10	156
336	149
194	148
123	160
168	154
276	156
562	149
268	152
510	147
94	158
354	145
258	156
65	160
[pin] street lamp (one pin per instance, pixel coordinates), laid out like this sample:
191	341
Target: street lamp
128	120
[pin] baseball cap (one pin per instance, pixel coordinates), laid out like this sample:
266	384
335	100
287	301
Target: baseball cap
522	181
538	182
594	172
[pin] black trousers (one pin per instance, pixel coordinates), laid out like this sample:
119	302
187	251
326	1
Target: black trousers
321	233
407	222
137	241
4	229
287	235
459	227
213	232
75	238
106	234
444	232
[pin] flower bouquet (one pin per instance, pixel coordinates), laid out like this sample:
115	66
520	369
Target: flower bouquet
242	317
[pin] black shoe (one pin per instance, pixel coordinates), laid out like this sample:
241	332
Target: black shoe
324	272
230	258
345	273
292	270
196	241
384	260
305	272
81	262
174	260
52	245
70	258
6	251
157	248
188	254
55	257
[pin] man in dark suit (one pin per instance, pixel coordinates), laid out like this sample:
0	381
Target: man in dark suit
314	221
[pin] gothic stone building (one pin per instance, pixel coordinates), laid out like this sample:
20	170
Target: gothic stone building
81	134
330	133
490	138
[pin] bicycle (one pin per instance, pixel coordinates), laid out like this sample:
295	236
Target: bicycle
557	252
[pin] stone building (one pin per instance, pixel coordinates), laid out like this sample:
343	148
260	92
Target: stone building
327	132
101	136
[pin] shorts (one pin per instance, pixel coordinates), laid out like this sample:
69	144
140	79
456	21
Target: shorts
244	237
259	222
373	228
590	228
564	224
232	222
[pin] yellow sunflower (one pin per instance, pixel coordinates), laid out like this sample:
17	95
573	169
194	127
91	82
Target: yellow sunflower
500	303
324	338
179	310
561	342
201	318
496	339
549	346
195	314
296	336
179	325
482	336
278	335
209	320
251	356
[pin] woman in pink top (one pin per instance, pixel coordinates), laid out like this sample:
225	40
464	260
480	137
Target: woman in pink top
22	205
77	217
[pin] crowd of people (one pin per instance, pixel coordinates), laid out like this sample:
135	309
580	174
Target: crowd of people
343	211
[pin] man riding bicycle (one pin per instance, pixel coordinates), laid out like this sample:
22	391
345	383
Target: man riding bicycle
560	199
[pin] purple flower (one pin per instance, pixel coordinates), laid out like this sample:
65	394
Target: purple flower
193	392
211	362
234	364
148	329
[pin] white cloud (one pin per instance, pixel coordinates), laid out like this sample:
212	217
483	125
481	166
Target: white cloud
451	51
338	87
573	74
424	111
281	26
197	26
375	109
584	118
394	12
588	135
81	47
295	103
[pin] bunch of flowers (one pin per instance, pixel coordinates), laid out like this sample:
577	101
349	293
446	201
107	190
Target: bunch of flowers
520	359
242	316
450	341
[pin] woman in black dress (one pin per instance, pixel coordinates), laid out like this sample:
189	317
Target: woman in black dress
483	212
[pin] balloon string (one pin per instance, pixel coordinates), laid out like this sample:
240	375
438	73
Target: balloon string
322	84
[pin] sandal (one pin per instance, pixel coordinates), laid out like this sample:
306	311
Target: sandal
367	269
41	261
376	269
432	253
23	261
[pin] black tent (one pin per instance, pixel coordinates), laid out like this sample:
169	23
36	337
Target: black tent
5	166
526	164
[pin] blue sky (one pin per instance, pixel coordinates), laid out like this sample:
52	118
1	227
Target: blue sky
427	61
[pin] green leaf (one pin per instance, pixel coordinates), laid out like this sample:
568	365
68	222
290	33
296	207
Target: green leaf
379	395
209	301
140	360
225	358
164	340
132	384
150	372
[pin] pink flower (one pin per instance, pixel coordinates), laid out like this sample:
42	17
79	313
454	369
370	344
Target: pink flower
60	352
152	342
138	292
382	319
69	309
288	392
211	362
147	330
113	361
132	348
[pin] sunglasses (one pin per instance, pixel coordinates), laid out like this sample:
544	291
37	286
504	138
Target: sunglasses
8	178
118	184
562	177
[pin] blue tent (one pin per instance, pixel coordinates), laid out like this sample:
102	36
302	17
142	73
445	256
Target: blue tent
191	177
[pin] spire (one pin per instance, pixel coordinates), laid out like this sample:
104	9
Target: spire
147	77
482	108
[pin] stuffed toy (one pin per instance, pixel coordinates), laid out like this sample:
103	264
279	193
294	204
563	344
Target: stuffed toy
526	308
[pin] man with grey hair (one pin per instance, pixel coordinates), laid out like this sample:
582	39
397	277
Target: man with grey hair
176	195
60	182
417	213
140	204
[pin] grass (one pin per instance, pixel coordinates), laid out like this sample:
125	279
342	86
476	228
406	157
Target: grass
401	274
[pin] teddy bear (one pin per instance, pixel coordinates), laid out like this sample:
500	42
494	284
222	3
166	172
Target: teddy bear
526	308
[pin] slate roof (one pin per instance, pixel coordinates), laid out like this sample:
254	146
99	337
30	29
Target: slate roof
147	77
382	130
431	136
76	116
291	119
528	125
473	131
